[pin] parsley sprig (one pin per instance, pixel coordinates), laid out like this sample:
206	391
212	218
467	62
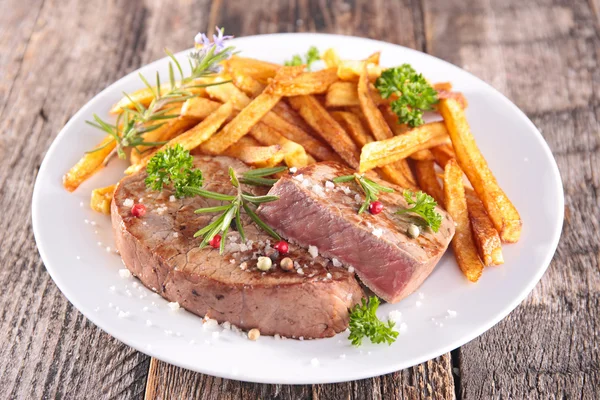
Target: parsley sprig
311	56
369	187
415	94
174	167
424	206
364	323
133	124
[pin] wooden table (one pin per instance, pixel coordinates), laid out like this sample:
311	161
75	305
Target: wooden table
543	54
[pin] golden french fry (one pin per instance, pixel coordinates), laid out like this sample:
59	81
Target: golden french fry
395	173
307	83
428	181
165	133
294	154
442	154
485	235
294	133
456	205
331	58
199	107
377	124
246	83
193	137
262	71
444	91
249	116
400	129
323	123
377	154
250	152
285	111
101	198
349	70
88	164
229	92
342	94
502	212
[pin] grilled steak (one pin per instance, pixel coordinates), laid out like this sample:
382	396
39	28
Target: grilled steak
159	249
388	261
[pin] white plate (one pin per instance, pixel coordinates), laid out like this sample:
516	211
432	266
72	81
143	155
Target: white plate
75	252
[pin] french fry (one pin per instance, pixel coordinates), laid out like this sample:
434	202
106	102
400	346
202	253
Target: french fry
250	152
89	164
262	71
444	91
400	129
342	94
384	152
349	70
428	181
199	107
294	154
502	212
101	199
392	172
323	123
246	83
248	117
442	154
285	111
456	205
307	83
192	138
229	92
165	133
294	133
331	58
377	124
485	235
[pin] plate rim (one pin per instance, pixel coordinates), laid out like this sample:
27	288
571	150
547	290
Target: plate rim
374	370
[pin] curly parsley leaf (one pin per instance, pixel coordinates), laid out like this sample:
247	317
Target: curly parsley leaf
364	323
369	187
424	206
173	166
415	94
311	56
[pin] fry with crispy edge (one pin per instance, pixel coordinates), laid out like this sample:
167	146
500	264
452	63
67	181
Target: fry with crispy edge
307	83
350	70
428	180
377	154
485	235
101	199
442	154
193	137
248	116
502	212
199	107
262	71
246	83
294	154
251	152
328	128
400	129
89	164
463	245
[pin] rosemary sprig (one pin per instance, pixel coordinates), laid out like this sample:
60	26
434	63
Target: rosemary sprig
133	124
369	187
257	176
231	211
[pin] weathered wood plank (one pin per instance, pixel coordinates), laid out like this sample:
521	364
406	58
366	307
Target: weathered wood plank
361	18
55	56
543	55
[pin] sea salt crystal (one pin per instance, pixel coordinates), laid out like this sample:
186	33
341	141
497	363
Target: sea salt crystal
276	336
377	232
124	273
168	332
351	270
93	223
128	293
148	322
313	251
452	313
336	262
128	203
145	309
172	198
318	190
112	288
329	185
421	295
418	303
300	271
293	170
395	316
175	234
226	325
306	183
299	177
86	221
123	314
174	306
329	276
135	285
210	323
346	189
315	362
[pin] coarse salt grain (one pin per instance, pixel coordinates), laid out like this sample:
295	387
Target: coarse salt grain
313	251
306	183
329	185
124	273
93	223
351	270
215	335
128	203
452	313
299	177
293	170
112	288
145	309
300	271
86	221
318	190
418	303
210	323
172	198
168	332
174	306
148	322
315	362
128	293
329	276
123	314
336	262
421	295
377	232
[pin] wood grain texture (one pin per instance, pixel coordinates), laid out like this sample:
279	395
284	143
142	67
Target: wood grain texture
544	56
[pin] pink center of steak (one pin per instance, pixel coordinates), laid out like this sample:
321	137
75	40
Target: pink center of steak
311	212
160	249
